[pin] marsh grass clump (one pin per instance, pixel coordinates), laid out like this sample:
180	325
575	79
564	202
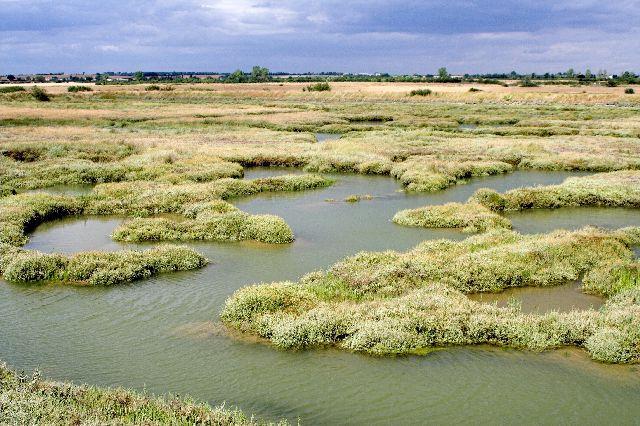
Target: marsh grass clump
96	268
22	212
420	92
356	198
471	217
39	94
29	399
425	174
227	226
79	88
318	87
613	189
145	198
400	303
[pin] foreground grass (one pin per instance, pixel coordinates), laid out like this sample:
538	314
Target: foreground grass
399	303
32	400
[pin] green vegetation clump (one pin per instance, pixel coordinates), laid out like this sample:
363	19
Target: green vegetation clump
95	268
318	87
473	89
23	212
426	174
149	198
68	163
12	89
527	82
32	400
79	88
39	94
156	87
629	91
401	303
614	189
356	198
231	226
420	92
471	217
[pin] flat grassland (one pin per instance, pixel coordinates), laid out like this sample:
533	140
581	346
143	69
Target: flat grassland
182	152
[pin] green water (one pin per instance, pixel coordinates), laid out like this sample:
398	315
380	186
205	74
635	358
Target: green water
162	334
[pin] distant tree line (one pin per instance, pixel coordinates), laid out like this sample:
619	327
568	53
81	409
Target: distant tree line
259	74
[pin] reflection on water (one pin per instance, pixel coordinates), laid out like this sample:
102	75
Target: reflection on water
562	298
162	334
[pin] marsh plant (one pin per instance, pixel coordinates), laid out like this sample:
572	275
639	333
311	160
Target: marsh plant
470	217
614	189
29	398
95	268
399	303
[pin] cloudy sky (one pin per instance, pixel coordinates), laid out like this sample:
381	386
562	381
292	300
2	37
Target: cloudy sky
334	35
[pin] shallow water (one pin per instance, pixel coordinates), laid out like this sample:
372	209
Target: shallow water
162	334
563	298
324	137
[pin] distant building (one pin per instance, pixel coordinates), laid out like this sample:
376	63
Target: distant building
120	78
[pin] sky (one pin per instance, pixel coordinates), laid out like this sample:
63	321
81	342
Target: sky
399	37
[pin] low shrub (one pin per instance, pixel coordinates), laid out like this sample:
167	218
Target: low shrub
527	82
12	89
39	94
629	91
318	87
420	92
152	87
79	88
473	89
